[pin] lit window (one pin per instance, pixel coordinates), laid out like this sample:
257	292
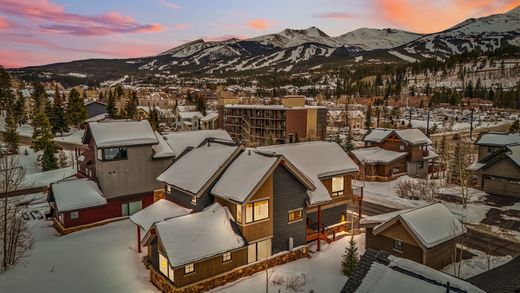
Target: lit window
163	264
189	268
295	215
398	245
249	213
169	188
226	257
74	215
194	200
239	213
257	211
111	154
343	218
338	185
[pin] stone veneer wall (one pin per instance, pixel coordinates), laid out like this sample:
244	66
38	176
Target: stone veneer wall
166	286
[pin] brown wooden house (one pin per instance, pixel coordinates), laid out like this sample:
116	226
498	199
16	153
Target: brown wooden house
377	164
425	235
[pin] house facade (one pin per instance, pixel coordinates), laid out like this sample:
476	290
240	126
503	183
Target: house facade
377	164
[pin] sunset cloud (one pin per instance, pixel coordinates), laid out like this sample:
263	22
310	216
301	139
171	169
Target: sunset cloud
333	15
4	24
432	16
51	17
181	26
261	24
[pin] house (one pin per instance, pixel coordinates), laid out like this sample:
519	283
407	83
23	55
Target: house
499	171
124	158
292	121
279	198
491	142
380	272
191	248
188	120
421	158
95	108
376	163
426	235
210	121
502	279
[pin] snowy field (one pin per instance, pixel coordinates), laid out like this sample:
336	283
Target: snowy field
102	259
477	264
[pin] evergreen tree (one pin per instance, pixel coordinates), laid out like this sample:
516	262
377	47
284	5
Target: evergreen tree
350	258
349	142
42	134
6	94
368	117
20	116
131	106
39	96
10	135
63	160
76	110
111	106
469	91
153	118
59	118
49	160
515	127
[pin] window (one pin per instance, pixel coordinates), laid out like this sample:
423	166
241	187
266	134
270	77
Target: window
421	164
194	200
130	208
74	215
338	186
492	149
112	154
100	154
401	147
239	213
163	264
259	250
226	257
257	211
189	268
169	188
343	218
398	245
295	215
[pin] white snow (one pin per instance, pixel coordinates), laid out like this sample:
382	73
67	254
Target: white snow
402	56
477	264
198	236
162	149
122	133
317	160
411	136
157	212
249	169
100	259
180	141
371	39
42	179
193	170
76	194
377	155
498	139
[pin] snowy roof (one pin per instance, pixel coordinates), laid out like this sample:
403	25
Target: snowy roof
411	136
498	139
402	275
190	115
475	166
188	108
180	141
197	236
210	117
194	170
159	211
77	194
97	118
514	153
122	133
316	160
381	218
377	155
162	149
432	224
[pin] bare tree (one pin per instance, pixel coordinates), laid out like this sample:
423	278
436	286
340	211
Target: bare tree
15	232
457	231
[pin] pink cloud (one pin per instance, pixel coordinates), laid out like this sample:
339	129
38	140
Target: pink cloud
4	24
261	23
333	15
181	26
169	4
53	18
431	16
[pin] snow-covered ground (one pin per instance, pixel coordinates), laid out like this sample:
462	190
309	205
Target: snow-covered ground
101	259
322	271
477	264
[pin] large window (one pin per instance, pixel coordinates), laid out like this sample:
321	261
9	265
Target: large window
130	208
338	186
239	213
112	154
295	215
259	251
164	267
226	257
257	211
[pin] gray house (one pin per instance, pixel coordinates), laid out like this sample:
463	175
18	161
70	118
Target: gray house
95	108
491	142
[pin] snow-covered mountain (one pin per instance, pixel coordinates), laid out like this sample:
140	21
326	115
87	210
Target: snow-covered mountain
372	39
304	49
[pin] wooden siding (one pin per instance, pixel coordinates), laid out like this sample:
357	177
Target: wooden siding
397	231
441	255
502	173
289	194
210	267
184	199
262	229
329	216
381	242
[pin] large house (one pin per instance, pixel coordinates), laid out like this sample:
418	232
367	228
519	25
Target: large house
491	142
379	164
426	235
277	199
420	159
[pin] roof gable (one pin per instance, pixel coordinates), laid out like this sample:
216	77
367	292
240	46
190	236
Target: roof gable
120	133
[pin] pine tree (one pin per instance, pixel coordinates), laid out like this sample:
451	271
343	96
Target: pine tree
368	117
20	116
6	94
76	110
131	106
39	96
350	258
515	127
349	142
153	118
59	118
10	135
111	106
42	134
49	160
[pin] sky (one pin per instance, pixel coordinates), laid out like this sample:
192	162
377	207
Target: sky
36	32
